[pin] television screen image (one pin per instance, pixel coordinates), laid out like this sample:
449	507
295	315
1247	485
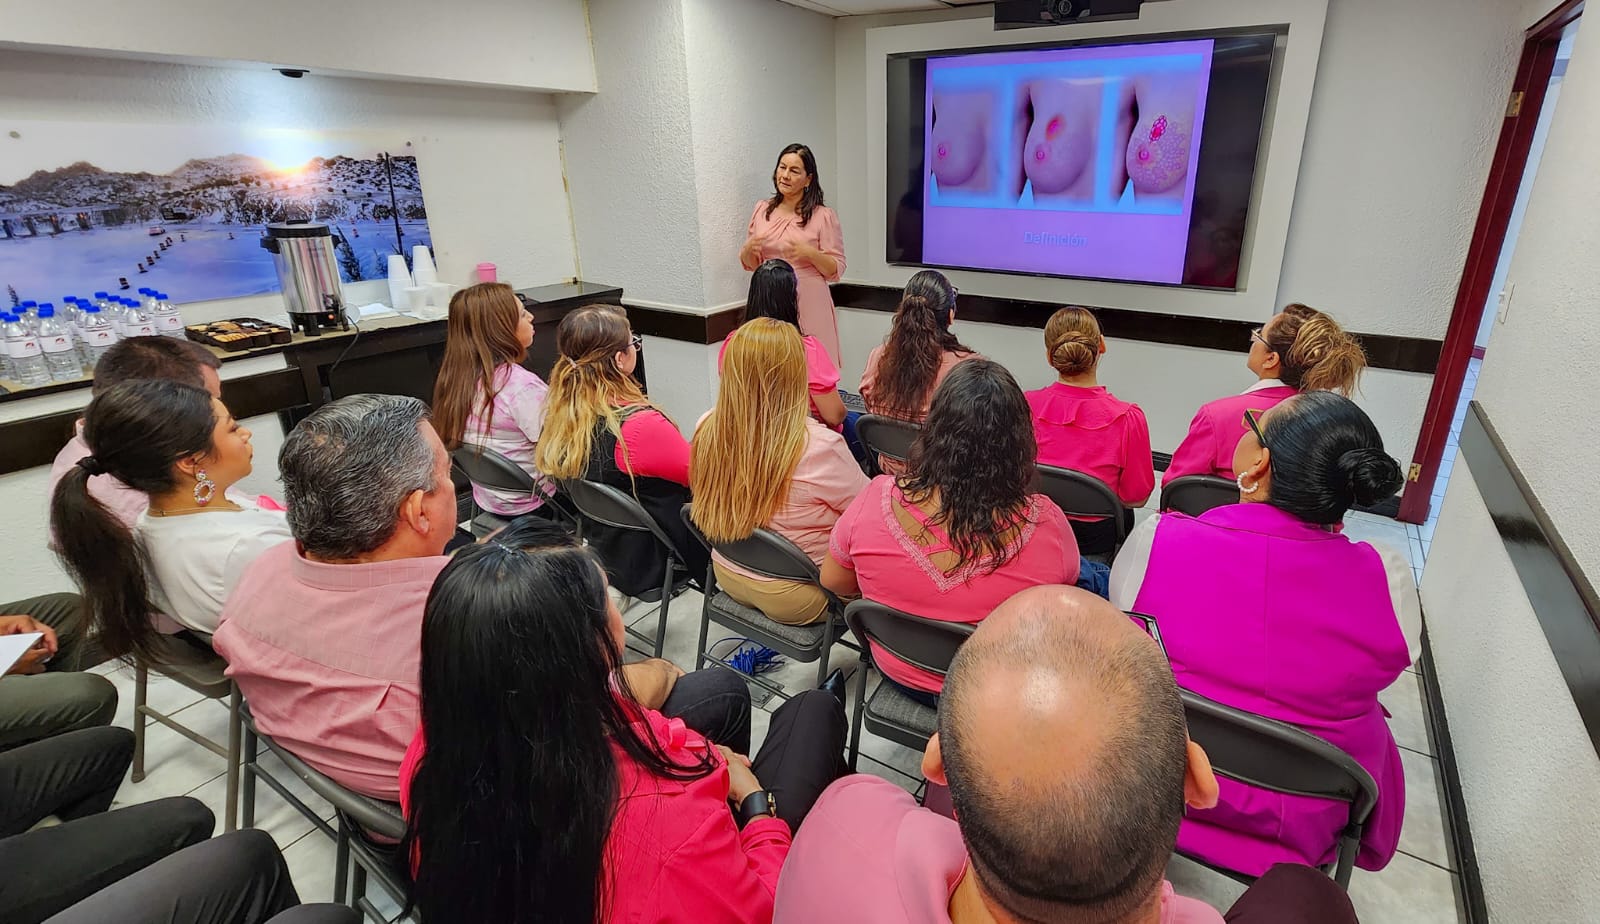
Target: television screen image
1128	162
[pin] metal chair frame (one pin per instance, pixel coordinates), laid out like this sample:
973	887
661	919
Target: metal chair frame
590	497
204	674
486	468
889	437
935	643
1083	495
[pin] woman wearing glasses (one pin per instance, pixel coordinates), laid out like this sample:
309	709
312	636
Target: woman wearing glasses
1299	349
599	426
1264	606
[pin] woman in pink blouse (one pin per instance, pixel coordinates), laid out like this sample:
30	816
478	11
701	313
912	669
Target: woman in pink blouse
760	460
796	227
774	294
484	397
959	532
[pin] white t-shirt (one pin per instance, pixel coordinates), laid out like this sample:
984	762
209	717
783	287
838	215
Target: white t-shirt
196	559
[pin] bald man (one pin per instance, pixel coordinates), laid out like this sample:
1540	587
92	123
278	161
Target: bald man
1062	740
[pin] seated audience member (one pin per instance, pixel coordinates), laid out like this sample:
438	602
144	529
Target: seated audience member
484	397
537	789
180	448
1299	349
1078	423
321	634
960	531
599	426
1061	739
45	693
903	372
181	361
774	294
1263	606
760	460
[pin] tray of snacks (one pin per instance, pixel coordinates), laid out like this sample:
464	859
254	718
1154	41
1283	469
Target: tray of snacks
239	334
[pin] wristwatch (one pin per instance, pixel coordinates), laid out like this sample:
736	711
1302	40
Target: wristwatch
757	804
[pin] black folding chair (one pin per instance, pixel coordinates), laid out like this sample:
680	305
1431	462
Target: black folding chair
1279	757
926	643
770	555
194	665
1080	495
889	437
1195	494
486	468
609	506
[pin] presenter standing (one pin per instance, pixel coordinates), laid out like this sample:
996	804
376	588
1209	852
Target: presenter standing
796	227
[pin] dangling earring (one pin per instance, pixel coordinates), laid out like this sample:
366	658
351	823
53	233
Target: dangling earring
1250	490
204	488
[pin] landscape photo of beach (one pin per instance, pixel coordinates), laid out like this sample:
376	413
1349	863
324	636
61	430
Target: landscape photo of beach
86	208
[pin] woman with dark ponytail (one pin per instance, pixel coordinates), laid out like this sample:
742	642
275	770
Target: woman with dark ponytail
1266	606
180	447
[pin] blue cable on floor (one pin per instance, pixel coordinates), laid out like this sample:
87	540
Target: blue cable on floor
750	658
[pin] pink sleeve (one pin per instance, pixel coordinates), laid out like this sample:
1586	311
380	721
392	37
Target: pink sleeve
1138	474
654	447
838	480
527	409
821	375
869	375
1193	455
830	240
753	213
840	542
1071	562
722	874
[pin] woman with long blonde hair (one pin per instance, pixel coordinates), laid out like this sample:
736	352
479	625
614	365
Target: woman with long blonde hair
600	426
484	397
759	459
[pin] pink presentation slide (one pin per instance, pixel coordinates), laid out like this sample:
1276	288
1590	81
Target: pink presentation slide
1068	162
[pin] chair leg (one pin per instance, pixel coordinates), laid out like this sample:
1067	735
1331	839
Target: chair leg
1349	846
247	780
341	862
864	669
358	884
666	602
230	811
141	679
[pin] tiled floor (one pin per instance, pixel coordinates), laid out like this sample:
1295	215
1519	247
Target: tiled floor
1417	887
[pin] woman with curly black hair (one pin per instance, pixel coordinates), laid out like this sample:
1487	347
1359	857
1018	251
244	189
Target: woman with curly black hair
960	531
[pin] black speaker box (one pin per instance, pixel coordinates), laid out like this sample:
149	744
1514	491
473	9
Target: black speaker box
1022	14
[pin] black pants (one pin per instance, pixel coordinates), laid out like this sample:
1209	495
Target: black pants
714	702
61	699
238	878
1290	892
803	753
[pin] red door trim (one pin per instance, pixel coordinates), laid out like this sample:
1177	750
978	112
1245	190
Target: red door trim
1488	236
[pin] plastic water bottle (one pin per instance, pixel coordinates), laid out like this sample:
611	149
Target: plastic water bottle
55	341
169	323
147	300
27	359
136	321
25	316
98	336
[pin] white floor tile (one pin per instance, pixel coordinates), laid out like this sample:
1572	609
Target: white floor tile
1407	717
174	765
1407	891
1423	834
1192	880
310	862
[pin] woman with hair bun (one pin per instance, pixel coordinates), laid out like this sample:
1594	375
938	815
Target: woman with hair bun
1264	606
1078	423
1300	349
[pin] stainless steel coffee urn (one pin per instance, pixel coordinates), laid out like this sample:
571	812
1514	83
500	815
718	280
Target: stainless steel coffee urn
308	271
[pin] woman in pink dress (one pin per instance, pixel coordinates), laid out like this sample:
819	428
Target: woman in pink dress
796	227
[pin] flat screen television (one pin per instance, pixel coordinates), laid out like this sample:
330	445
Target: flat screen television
1130	161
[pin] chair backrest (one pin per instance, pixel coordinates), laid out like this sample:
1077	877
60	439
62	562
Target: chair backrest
1276	756
607	505
887	436
372	815
926	643
1195	494
489	469
766	553
1081	495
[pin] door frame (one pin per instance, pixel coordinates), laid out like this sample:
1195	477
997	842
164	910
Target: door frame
1534	70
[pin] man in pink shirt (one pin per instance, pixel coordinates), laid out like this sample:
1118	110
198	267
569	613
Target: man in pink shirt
137	358
1061	739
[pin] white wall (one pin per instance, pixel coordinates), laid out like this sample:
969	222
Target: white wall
490	167
1529	771
1378	229
538	45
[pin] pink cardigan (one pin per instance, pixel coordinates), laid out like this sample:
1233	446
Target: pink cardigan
1265	612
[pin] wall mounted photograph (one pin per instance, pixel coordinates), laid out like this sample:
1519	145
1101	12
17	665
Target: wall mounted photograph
182	208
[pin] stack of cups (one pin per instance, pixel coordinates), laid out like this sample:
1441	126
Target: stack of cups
422	266
399	282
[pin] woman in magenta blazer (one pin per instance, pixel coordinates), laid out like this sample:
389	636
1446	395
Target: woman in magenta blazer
1263	606
545	792
1299	349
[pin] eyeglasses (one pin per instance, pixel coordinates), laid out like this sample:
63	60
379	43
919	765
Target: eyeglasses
638	342
1256	334
1255	427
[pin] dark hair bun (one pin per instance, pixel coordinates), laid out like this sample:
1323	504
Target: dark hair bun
1371	475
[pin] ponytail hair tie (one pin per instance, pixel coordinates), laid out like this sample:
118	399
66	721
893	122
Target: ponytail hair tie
91	465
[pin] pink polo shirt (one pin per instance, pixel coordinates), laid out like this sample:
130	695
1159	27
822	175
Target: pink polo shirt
869	854
1090	430
893	570
328	657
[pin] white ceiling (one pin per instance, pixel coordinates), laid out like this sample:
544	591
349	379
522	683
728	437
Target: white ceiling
863	7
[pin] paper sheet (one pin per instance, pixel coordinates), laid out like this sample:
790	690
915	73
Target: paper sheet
13	647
